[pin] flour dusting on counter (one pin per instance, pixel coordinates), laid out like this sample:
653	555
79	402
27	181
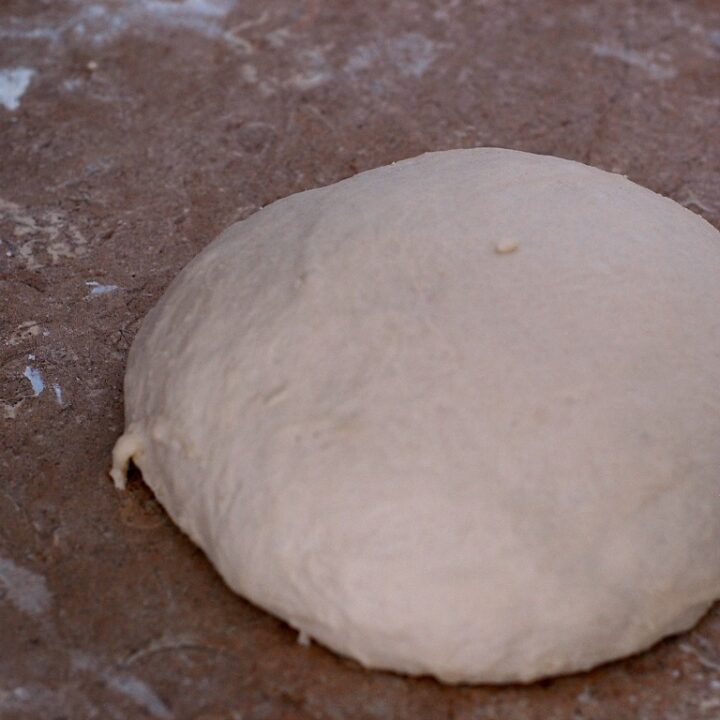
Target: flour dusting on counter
26	590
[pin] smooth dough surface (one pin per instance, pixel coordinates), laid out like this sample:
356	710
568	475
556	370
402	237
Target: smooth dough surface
458	416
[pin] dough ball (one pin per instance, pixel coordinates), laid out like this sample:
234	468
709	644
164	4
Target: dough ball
455	416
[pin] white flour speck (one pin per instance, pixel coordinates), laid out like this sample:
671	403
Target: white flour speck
13	84
97	288
126	684
35	378
141	693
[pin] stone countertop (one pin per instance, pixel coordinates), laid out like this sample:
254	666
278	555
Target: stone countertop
131	133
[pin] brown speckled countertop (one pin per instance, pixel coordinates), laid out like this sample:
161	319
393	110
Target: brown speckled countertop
131	132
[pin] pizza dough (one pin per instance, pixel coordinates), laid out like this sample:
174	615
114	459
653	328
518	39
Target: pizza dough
458	416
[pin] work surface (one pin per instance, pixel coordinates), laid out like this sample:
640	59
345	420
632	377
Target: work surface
131	132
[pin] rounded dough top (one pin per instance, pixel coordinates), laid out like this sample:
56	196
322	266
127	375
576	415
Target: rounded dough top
457	416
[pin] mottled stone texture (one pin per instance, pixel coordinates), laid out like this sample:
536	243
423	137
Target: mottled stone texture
148	126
